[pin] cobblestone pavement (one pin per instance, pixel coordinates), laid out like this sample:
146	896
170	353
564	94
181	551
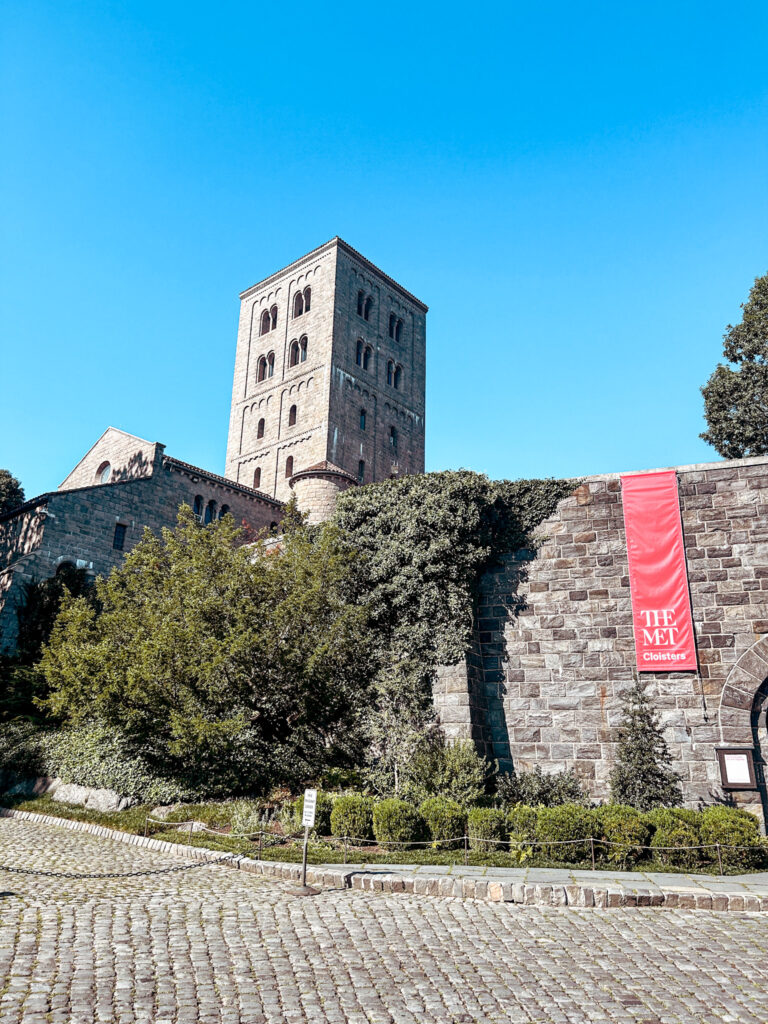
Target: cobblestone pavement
212	944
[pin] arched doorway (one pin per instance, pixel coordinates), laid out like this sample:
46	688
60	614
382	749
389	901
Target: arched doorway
759	723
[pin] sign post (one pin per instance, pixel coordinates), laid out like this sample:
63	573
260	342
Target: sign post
308	822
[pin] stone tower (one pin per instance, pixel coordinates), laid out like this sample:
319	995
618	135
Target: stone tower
330	369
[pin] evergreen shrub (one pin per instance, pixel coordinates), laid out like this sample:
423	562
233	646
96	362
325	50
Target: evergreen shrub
487	823
395	821
731	827
672	829
352	817
626	827
521	821
445	820
537	789
555	825
323	810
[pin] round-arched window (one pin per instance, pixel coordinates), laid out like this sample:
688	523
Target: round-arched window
103	473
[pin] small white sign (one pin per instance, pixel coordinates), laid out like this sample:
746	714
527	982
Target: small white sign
736	768
310	803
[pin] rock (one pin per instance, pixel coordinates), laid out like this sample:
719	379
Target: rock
93	799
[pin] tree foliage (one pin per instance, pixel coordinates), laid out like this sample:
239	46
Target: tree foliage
244	665
736	395
642	775
11	492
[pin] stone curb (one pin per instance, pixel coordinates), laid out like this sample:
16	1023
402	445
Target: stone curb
489	890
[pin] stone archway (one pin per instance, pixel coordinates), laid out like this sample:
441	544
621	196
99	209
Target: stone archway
743	709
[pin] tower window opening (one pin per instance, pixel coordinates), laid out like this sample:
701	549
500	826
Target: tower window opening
392	321
367	307
257	478
298	304
361	471
398	330
210	511
293	358
292	416
270	364
223	511
289	466
398	377
262	370
264	322
303	342
362	419
390	373
359	353
118	541
367	357
273	317
260	428
393	438
197	507
307	299
360	302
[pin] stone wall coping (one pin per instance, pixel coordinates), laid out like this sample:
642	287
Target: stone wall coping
527	886
321	250
695	467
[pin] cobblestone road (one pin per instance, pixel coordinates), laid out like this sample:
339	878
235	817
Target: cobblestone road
215	945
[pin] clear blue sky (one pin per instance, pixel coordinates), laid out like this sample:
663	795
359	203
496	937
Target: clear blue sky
578	191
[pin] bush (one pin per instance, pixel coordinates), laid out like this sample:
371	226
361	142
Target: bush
352	816
731	827
671	829
626	827
323	810
445	819
248	816
539	790
487	823
521	821
395	821
451	770
556	825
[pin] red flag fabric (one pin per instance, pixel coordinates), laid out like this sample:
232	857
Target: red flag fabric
658	579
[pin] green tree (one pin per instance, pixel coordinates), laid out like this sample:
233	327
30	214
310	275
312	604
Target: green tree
642	775
11	492
736	396
244	665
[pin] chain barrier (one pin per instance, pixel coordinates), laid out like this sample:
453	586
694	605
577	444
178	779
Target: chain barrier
106	874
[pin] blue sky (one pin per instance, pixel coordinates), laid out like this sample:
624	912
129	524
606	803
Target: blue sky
579	193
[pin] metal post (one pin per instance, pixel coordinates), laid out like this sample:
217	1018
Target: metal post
345	849
190	830
466	850
146	827
719	859
592	851
261	839
304	859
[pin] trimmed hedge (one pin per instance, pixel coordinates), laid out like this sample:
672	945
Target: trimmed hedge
323	810
560	825
352	817
625	827
731	827
395	821
487	823
445	820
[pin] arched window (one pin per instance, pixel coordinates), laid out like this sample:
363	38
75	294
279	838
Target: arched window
359	353
298	304
303	346
367	307
361	471
273	317
307	299
398	379
393	438
262	370
257	478
270	364
293	357
292	416
260	428
197	508
367	357
390	373
360	302
223	511
210	511
398	330
289	466
264	323
362	419
103	473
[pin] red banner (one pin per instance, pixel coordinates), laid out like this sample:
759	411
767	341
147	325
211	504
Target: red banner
661	604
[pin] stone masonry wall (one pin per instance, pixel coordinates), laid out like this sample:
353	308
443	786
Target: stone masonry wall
551	675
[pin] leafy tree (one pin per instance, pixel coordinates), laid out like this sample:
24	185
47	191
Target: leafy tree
244	666
11	492
446	769
642	775
21	681
736	399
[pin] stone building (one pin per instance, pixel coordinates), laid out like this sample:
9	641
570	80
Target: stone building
122	485
330	369
554	642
